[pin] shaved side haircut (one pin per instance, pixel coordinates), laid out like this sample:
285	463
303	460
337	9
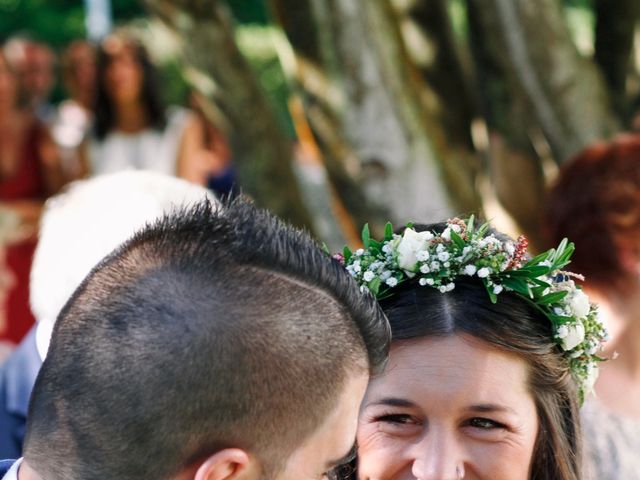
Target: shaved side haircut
213	328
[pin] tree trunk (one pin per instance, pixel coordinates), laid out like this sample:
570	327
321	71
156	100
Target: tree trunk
353	64
515	169
217	68
566	92
615	28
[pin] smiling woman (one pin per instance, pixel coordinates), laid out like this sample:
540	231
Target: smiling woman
478	386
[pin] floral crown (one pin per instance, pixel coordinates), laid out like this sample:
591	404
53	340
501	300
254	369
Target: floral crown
436	260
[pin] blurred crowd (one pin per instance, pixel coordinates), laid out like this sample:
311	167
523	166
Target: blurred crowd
112	118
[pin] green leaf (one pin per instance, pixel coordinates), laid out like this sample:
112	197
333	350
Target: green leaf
374	285
518	285
554	297
539	258
366	235
559	250
388	231
346	252
492	296
482	231
325	249
470	225
457	239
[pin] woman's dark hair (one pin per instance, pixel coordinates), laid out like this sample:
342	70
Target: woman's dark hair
150	91
512	326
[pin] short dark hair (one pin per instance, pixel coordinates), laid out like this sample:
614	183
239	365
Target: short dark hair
210	329
513	326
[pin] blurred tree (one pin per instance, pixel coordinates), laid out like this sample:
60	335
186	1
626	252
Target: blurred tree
217	68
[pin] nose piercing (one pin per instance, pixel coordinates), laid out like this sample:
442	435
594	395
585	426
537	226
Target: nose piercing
459	471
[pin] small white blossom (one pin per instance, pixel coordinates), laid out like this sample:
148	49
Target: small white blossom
591	377
456	228
442	288
498	289
443	256
435	266
364	288
576	354
510	248
562	332
368	276
470	270
430	281
425	269
574	336
446	234
392	281
422	255
466	250
484	272
359	252
423	281
450	286
386	248
356	267
579	303
446	264
385	275
440	248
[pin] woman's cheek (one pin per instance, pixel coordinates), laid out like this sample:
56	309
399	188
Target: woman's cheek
380	456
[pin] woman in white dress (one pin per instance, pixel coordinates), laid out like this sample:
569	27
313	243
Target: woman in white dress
132	129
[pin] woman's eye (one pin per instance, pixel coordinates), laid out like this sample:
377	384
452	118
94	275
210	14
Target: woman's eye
485	424
400	418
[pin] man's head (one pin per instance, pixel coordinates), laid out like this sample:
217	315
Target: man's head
215	344
85	223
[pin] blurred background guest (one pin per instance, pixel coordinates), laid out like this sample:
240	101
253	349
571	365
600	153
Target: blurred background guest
74	116
596	203
79	227
132	129
29	172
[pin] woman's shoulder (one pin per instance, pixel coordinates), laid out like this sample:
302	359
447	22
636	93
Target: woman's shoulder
611	443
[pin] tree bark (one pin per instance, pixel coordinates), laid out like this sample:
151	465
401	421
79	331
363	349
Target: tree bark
567	94
615	28
359	70
217	69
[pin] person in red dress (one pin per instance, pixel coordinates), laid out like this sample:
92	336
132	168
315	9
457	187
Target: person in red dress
30	171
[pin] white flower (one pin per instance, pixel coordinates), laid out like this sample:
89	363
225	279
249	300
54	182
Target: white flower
412	242
442	288
446	264
368	276
443	256
579	303
470	270
484	272
392	281
425	269
456	228
439	248
364	288
562	332
385	275
591	377
359	252
435	266
450	286
466	250
356	267
422	255
446	234
386	248
422	281
509	248
576	354
498	289
574	336
430	281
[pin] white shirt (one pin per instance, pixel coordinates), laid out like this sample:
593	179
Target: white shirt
12	474
146	150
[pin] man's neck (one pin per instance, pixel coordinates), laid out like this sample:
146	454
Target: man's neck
27	473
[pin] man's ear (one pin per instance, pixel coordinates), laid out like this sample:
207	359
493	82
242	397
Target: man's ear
228	464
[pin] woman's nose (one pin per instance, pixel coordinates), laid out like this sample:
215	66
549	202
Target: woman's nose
438	457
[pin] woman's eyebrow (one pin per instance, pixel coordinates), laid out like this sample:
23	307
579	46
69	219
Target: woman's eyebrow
393	402
489	408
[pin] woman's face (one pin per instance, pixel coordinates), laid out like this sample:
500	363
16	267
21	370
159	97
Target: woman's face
123	76
446	407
